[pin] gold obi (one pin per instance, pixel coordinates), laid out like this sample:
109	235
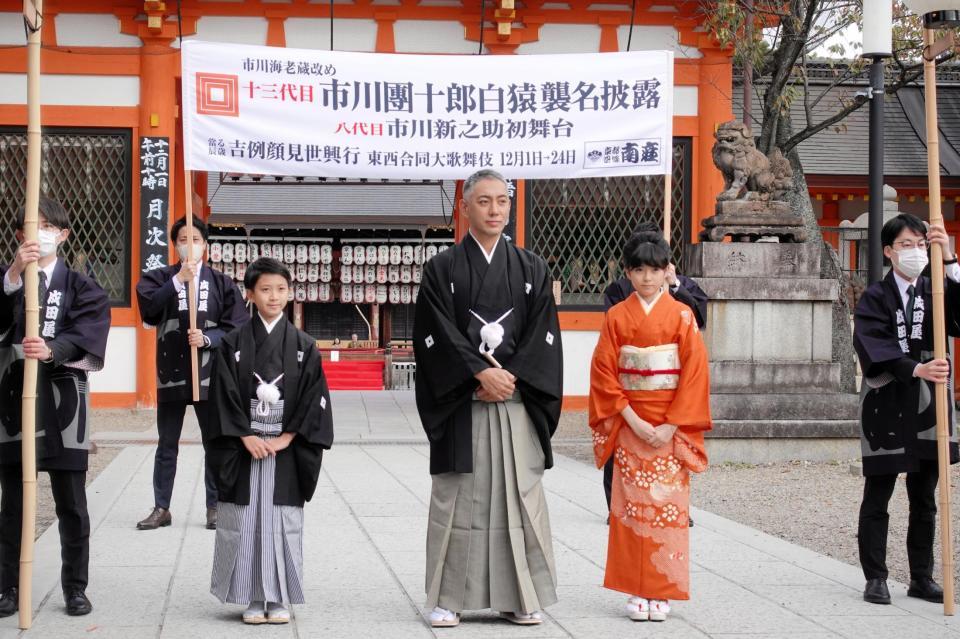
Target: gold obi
650	368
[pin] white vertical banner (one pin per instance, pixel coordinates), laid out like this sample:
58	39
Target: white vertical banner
278	111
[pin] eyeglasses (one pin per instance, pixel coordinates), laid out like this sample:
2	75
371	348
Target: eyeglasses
909	244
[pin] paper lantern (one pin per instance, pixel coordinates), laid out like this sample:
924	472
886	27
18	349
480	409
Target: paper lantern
877	28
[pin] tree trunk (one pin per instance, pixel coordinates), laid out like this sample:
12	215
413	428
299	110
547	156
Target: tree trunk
830	267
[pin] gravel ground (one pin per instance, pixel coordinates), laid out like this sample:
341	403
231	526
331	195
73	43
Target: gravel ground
813	505
122	420
45	509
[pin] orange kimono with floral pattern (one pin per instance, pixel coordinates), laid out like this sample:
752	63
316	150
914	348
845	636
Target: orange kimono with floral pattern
647	553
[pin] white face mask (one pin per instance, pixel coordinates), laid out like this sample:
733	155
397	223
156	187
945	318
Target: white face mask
48	242
197	252
911	262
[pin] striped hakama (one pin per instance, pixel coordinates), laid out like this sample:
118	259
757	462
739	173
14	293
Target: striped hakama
488	538
259	547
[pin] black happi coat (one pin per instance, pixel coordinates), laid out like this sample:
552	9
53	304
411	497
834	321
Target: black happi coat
897	410
306	410
688	292
75	321
161	306
446	337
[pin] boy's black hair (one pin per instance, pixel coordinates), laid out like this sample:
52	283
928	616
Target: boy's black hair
198	224
646	248
264	266
51	210
895	226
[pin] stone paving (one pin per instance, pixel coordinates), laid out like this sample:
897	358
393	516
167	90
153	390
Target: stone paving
364	559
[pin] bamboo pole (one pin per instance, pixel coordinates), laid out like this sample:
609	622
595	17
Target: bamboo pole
191	286
939	328
667	205
31	293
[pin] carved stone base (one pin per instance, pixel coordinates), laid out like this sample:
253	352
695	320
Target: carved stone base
744	233
747	221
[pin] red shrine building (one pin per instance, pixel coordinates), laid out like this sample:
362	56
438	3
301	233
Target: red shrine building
111	77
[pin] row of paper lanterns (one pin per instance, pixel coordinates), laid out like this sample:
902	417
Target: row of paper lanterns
316	254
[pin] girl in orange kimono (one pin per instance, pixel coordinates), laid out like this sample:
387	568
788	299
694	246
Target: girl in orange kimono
649	408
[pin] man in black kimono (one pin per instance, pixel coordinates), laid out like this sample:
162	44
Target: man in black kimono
74	323
270	421
683	289
893	336
162	297
483	305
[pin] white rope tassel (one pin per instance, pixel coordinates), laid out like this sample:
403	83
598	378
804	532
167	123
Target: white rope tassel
491	335
268	394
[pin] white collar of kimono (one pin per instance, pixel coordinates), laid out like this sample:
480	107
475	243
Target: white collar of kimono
269	325
648	306
489	255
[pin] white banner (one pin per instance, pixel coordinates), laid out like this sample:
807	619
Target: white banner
277	111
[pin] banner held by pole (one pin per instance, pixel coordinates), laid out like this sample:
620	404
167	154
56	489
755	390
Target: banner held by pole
191	286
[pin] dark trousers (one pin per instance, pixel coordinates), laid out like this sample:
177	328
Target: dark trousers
70	498
872	530
169	426
608	480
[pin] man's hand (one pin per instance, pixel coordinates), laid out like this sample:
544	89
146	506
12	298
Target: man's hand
28	252
936	234
671	275
187	272
195	337
496	384
662	435
279	443
36	348
258	448
484	396
936	371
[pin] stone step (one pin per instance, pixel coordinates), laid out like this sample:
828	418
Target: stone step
782	406
754	378
785	429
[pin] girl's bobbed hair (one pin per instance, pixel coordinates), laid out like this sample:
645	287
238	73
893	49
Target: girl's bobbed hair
646	248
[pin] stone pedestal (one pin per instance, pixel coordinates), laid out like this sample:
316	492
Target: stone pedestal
750	220
769	335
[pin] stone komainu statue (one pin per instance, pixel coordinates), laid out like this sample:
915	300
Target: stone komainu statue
748	173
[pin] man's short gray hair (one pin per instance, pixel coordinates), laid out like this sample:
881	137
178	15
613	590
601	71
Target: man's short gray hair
482	174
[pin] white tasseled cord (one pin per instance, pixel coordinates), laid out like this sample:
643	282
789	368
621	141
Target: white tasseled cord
268	394
491	335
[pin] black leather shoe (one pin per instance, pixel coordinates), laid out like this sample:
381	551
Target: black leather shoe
212	518
9	602
927	589
876	592
77	603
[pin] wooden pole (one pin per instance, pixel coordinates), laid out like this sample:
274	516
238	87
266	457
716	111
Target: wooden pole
939	328
31	293
667	205
191	287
